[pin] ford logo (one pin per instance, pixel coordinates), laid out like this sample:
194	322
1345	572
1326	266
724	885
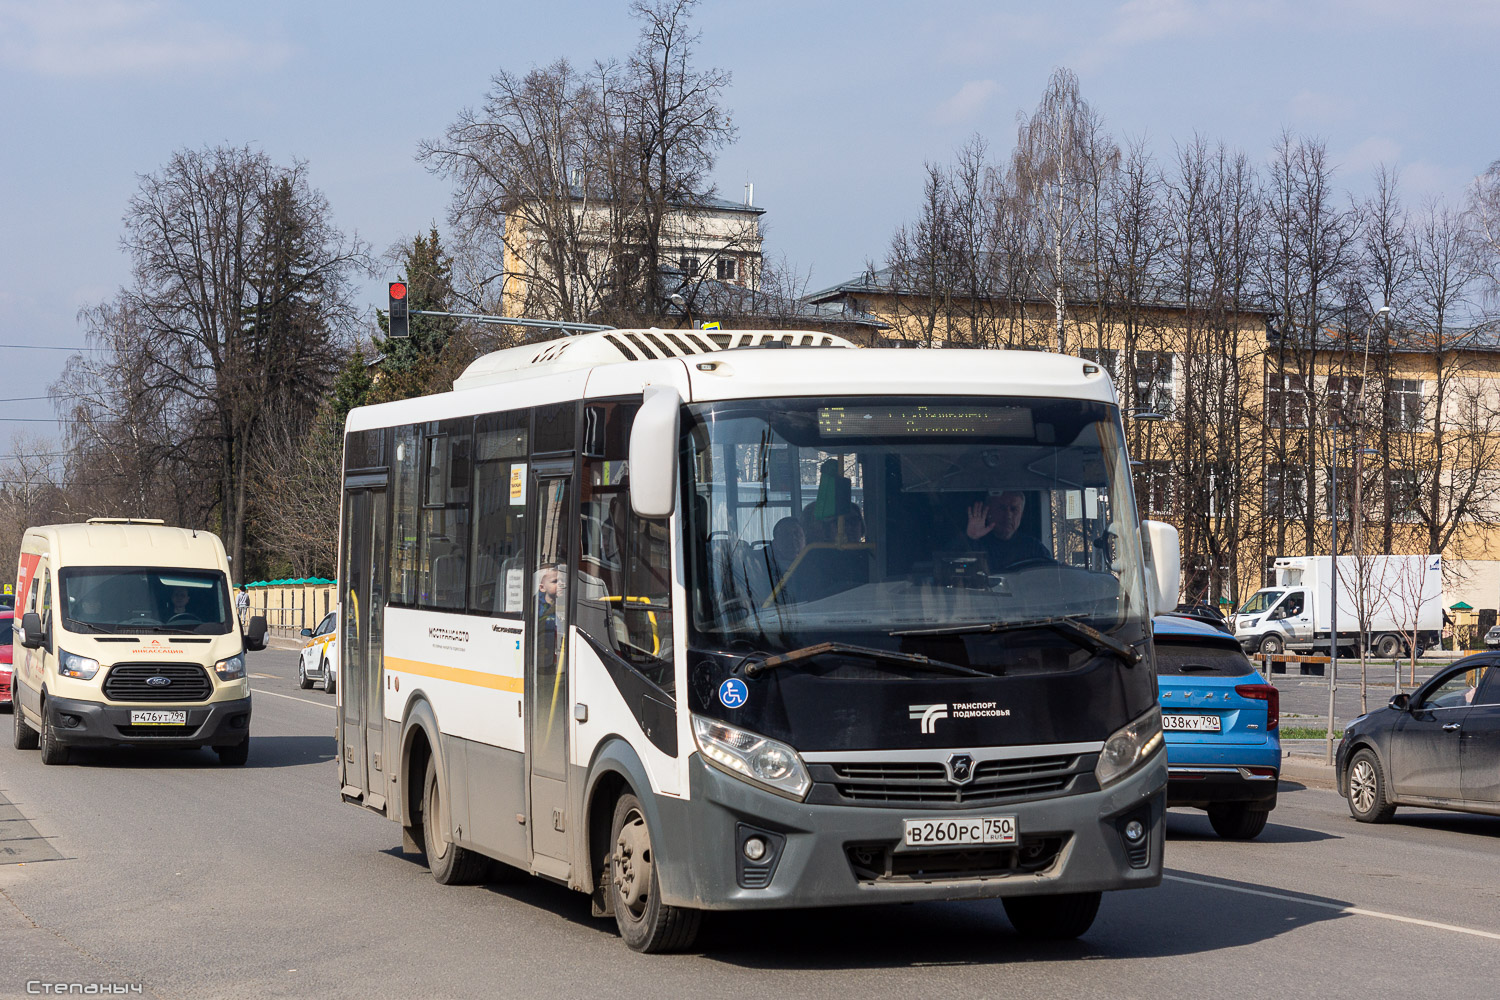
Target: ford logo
159	681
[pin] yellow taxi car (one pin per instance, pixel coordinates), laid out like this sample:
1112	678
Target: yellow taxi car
320	655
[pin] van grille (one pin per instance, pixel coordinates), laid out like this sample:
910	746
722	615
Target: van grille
127	682
926	782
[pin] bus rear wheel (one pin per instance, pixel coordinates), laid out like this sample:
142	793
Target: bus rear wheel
646	923
1053	918
449	863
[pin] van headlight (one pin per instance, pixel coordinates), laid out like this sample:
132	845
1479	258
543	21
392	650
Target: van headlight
231	669
1129	748
755	758
78	667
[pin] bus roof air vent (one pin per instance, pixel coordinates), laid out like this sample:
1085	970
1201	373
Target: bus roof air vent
607	347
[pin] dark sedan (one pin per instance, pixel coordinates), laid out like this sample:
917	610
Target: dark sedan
1437	747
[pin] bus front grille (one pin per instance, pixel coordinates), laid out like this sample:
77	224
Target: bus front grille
129	682
905	783
883	863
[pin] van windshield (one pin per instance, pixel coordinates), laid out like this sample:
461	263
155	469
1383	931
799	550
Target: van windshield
1261	602
113	599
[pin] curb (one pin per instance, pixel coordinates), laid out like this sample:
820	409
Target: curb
1309	771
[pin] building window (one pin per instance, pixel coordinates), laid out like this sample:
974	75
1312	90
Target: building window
1156	486
1286	401
1345	492
1403	403
1222	484
728	268
1286	491
1153	381
1342	407
689	266
1401	490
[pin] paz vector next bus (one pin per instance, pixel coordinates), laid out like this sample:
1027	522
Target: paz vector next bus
693	620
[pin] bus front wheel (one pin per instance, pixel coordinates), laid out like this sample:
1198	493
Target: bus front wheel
1054	918
646	923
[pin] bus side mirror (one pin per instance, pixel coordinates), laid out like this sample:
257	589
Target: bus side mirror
31	627
1165	554
255	634
653	453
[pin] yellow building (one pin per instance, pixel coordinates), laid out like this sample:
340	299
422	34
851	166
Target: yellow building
1235	427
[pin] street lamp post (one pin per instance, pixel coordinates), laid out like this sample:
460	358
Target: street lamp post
1357	516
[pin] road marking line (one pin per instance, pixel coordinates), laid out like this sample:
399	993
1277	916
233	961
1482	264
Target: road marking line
1338	907
292	697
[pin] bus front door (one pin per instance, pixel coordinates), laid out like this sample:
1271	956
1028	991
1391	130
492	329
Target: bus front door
361	600
547	688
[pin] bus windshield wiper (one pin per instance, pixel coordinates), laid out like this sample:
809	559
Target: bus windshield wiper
1084	635
808	652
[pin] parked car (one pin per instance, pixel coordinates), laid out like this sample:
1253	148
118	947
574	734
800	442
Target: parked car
7	650
1205	614
320	655
1492	638
1222	726
1437	747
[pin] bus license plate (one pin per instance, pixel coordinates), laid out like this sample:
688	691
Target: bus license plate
965	831
1191	723
157	718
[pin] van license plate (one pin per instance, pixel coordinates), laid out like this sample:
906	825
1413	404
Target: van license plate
1191	723
963	831
152	718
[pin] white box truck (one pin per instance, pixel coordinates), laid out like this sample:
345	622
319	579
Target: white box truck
1399	594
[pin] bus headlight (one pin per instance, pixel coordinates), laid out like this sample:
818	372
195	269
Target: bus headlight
1129	748
751	756
231	669
78	667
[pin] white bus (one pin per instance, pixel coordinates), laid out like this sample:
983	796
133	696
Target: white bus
693	620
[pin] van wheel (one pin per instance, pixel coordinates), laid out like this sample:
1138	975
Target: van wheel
1237	821
53	752
328	681
1272	644
646	923
449	863
234	756
1053	918
22	737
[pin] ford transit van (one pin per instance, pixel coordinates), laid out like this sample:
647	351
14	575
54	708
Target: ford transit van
126	634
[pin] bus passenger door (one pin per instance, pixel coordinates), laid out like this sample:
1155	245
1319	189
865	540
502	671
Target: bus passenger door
547	694
361	599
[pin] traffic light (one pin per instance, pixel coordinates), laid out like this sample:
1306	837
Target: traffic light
398	322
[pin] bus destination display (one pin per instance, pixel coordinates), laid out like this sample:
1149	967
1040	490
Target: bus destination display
905	421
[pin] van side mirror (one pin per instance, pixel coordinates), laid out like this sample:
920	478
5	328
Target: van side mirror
653	453
34	636
1401	702
1164	551
255	634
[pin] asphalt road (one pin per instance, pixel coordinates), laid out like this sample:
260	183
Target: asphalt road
193	880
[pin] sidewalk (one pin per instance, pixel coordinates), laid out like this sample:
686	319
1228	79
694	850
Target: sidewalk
1302	761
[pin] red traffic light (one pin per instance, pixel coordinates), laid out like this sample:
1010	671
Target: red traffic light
398	290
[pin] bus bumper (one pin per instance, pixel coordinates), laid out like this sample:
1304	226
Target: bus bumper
92	724
839	855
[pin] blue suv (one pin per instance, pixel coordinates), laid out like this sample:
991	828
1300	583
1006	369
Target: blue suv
1221	721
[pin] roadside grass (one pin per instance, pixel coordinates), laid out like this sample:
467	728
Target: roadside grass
1308	733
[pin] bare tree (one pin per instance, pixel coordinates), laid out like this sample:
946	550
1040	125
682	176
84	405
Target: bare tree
1062	159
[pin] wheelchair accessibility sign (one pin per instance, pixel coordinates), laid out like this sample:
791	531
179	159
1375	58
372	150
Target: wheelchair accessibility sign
733	693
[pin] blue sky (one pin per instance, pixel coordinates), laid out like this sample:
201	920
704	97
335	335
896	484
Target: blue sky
838	106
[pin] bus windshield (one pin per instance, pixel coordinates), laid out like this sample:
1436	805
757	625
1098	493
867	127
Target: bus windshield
849	519
111	599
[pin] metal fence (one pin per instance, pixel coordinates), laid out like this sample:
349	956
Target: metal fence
291	607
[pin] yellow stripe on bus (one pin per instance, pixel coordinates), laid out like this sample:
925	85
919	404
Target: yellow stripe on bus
478	678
